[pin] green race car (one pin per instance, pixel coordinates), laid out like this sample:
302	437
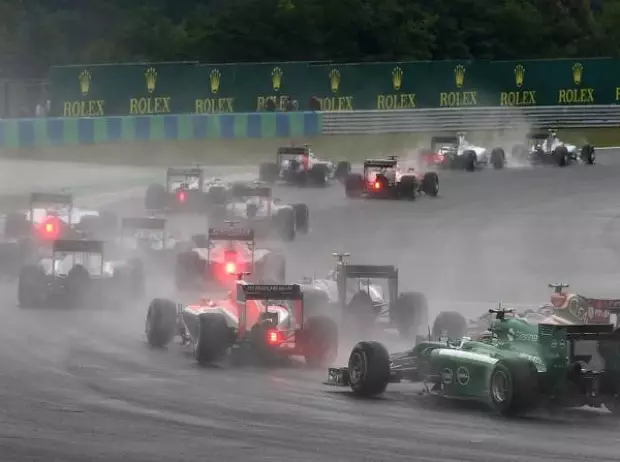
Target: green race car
521	366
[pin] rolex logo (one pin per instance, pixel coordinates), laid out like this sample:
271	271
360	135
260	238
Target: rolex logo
519	75
577	73
151	79
85	79
276	78
459	75
214	79
397	78
334	80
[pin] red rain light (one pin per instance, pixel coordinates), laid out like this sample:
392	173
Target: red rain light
273	337
377	185
49	228
231	267
181	196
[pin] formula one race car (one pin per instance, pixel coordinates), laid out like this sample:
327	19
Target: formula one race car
76	275
50	216
185	190
386	178
520	367
455	152
547	148
299	166
260	324
252	205
362	302
564	309
222	254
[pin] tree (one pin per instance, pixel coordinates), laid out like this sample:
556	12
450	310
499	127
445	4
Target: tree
49	32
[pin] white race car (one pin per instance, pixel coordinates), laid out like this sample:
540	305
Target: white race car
455	152
547	148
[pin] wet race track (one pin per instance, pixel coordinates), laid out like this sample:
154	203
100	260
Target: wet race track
84	386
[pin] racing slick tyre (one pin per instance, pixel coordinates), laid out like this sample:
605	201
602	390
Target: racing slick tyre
188	267
408	187
369	369
319	175
213	338
155	198
302	218
217	195
320	341
430	184
560	155
587	154
470	161
77	287
268	172
161	322
16	225
201	241
343	169
31	287
451	324
409	313
498	158
285	223
513	387
354	185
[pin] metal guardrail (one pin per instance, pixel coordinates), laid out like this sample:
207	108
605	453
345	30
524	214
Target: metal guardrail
470	118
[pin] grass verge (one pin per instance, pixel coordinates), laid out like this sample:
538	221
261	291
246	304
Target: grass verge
239	152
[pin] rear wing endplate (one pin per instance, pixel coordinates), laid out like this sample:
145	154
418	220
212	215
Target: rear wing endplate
149	223
51	198
78	246
269	292
380	163
190	172
370	271
231	234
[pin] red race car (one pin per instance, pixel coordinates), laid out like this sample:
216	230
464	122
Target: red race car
260	324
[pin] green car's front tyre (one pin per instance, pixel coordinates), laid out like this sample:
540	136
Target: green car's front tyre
369	369
513	387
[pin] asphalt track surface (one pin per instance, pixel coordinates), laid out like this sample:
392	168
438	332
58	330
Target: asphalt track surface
83	386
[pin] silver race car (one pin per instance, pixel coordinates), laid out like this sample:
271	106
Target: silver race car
300	166
185	190
455	152
361	303
252	206
547	148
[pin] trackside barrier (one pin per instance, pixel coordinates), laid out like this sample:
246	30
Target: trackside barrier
20	133
478	118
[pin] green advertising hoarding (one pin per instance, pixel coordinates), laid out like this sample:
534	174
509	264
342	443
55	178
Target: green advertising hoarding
175	88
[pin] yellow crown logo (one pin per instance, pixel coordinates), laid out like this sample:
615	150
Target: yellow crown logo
334	80
85	79
397	78
276	78
519	75
214	79
459	75
577	73
151	79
